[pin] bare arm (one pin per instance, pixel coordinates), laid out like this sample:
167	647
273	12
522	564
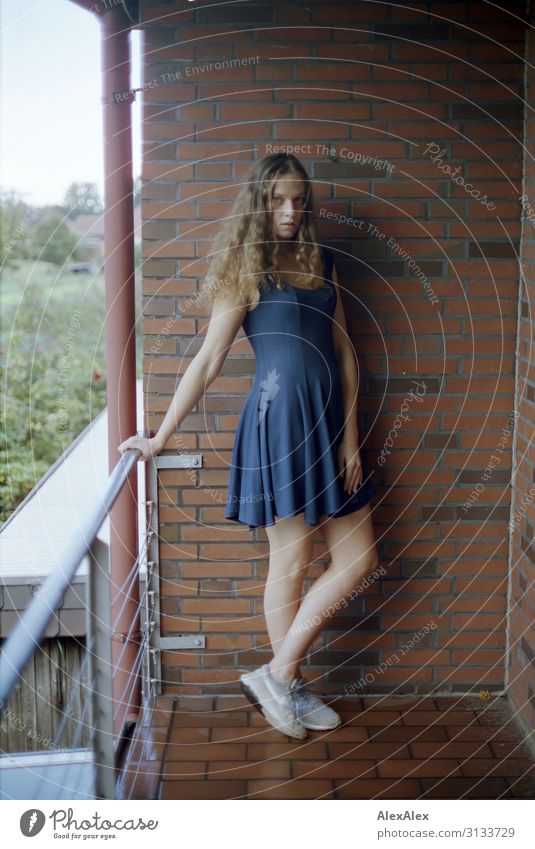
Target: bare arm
225	321
348	365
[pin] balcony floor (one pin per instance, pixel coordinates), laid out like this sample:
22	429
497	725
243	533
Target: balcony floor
388	747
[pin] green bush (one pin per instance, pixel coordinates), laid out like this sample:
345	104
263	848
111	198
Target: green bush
15	218
54	242
53	381
52	368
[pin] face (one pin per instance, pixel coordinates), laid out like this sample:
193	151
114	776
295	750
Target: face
287	202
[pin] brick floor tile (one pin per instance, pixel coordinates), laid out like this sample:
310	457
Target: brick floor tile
428	747
156	733
433	768
523	787
160	713
475	731
195	734
140	777
496	717
465	788
233	703
134	767
142	785
194	704
227	734
504	767
358	751
451	749
206	751
276	768
354	733
295	789
204	790
373	717
451	717
504	748
256	720
406	734
341	768
399	703
473	703
176	770
147	750
491	788
347	704
406	788
298	750
234	718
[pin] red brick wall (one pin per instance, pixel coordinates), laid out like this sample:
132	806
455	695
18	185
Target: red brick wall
521	671
430	296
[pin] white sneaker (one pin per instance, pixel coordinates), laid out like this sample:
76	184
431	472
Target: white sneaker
310	710
274	701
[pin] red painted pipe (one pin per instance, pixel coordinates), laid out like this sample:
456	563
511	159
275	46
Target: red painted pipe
120	348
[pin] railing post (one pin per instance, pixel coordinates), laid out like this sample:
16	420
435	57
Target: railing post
100	645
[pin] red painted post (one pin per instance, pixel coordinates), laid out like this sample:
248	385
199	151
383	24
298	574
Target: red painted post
121	353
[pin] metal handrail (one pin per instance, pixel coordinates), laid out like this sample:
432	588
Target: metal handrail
21	643
26	636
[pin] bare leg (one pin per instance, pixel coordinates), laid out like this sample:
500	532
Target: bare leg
291	550
351	544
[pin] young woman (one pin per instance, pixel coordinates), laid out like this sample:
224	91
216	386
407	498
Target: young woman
295	460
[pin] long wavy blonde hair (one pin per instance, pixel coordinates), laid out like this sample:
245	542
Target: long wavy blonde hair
243	259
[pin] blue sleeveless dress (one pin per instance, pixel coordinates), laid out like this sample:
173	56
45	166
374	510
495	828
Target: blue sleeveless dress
285	452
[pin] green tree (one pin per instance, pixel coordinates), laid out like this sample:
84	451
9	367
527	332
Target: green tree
82	199
53	241
15	217
53	380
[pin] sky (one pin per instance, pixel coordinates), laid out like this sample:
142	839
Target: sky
50	99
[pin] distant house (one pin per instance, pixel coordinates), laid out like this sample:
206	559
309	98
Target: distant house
89	230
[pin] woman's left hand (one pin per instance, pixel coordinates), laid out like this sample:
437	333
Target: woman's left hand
350	464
